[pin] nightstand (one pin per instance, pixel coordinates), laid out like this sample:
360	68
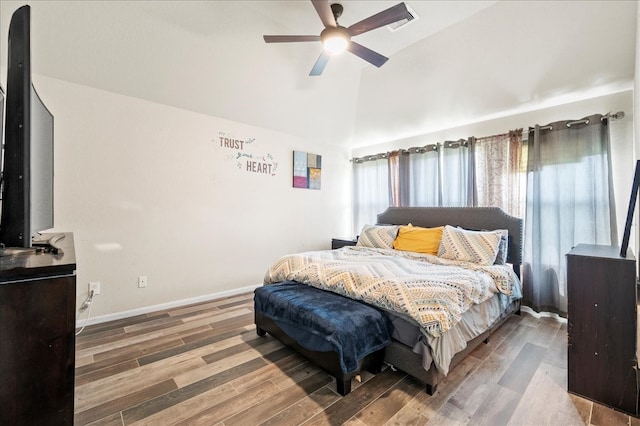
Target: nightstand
337	243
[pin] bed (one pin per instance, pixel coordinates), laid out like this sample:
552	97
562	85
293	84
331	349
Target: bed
428	340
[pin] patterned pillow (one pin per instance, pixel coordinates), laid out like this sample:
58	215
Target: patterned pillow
503	248
469	246
377	236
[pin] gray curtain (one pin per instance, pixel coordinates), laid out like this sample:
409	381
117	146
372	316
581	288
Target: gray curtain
423	182
457	174
569	193
437	175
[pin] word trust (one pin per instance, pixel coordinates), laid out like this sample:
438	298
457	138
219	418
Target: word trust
231	143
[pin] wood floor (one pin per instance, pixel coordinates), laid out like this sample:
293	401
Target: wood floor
204	365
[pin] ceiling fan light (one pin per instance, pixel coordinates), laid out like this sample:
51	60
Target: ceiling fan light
335	39
336	44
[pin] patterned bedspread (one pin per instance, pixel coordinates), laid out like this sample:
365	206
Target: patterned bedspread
434	292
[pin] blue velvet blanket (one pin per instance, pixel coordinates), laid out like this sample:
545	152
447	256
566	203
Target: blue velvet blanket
323	321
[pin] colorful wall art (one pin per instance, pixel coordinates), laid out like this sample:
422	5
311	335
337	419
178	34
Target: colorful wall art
306	170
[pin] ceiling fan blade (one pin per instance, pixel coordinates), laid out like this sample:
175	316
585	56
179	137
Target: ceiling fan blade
386	17
320	63
289	38
367	54
324	12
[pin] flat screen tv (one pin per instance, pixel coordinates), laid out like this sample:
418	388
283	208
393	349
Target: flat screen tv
1	118
27	169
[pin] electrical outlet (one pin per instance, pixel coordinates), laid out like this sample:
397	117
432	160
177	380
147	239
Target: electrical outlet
95	287
142	281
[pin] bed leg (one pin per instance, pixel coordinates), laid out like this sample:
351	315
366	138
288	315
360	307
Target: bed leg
260	331
431	389
375	369
376	362
343	386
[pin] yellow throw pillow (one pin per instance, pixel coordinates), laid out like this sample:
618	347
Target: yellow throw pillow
418	239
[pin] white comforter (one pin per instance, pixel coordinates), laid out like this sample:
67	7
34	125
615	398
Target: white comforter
431	291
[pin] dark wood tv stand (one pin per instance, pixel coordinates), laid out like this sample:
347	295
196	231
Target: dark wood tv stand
37	336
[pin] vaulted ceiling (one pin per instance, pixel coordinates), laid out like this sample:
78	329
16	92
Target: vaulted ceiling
209	57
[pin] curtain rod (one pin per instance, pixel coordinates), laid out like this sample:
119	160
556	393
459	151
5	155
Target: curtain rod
617	116
462	142
412	150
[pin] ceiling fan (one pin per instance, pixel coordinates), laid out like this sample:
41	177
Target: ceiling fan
337	38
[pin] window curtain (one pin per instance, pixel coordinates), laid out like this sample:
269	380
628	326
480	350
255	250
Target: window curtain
500	172
457	174
393	163
436	175
569	193
399	178
371	190
423	180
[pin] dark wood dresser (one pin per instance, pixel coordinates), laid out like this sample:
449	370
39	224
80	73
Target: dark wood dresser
37	336
602	292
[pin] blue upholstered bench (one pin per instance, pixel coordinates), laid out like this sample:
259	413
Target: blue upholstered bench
341	335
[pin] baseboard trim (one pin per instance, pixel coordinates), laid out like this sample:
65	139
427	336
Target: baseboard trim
539	315
148	309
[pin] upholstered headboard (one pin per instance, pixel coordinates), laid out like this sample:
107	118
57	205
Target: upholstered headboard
477	218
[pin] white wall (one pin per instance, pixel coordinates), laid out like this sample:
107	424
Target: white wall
510	58
147	190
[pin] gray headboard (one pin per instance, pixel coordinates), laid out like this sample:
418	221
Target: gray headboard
477	218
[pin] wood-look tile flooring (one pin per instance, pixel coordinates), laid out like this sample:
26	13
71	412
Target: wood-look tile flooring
204	364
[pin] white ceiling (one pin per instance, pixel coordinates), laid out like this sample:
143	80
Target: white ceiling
511	58
209	57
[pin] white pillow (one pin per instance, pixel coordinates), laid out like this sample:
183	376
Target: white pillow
479	247
377	236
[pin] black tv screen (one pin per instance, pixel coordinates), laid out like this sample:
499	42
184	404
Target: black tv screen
27	190
1	118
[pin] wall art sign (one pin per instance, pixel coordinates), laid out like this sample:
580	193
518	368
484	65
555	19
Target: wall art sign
242	151
307	170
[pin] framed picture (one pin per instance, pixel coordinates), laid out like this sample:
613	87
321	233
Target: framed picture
307	170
